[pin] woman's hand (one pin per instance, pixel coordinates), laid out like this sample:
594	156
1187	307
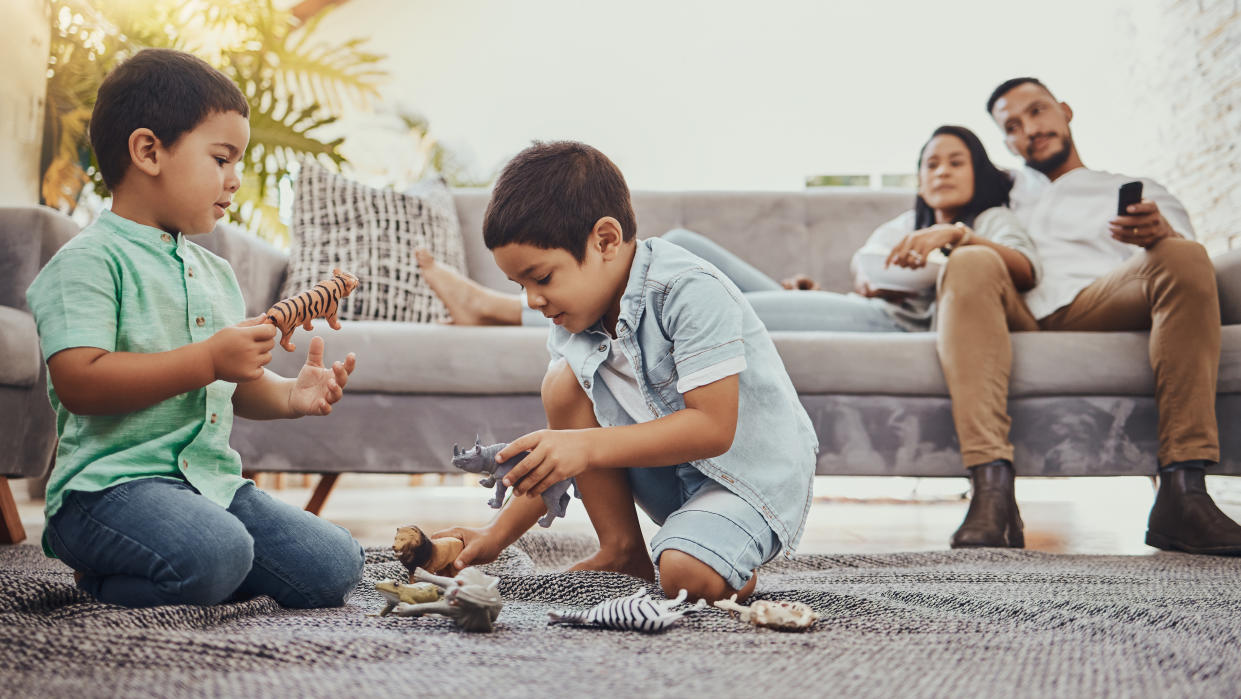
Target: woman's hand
913	249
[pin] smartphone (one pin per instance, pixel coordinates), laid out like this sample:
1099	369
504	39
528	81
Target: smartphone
1130	193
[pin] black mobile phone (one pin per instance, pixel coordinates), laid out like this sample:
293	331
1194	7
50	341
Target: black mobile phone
1130	193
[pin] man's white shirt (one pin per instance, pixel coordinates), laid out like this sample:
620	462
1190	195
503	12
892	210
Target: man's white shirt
1068	221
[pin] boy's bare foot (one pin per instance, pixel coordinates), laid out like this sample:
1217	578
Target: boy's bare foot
638	564
467	301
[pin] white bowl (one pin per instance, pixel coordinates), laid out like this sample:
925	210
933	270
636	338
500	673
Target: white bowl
896	278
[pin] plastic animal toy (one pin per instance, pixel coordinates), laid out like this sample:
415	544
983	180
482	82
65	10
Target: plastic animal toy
481	459
472	599
637	612
320	301
781	616
416	550
395	593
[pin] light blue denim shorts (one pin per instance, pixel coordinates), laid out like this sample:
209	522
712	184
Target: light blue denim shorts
702	518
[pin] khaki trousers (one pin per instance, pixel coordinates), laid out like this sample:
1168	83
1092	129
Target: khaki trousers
1168	289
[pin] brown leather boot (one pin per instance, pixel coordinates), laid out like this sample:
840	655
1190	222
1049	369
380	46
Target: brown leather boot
993	518
1185	518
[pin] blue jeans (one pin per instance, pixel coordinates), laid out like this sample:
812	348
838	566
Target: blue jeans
157	541
777	307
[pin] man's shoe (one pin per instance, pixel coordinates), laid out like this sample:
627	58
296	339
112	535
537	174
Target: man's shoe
993	518
1185	518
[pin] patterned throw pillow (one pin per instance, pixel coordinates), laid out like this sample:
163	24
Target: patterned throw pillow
372	233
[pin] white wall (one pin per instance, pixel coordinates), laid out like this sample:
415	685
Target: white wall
24	36
743	95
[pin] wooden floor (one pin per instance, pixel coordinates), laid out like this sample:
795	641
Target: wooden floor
849	515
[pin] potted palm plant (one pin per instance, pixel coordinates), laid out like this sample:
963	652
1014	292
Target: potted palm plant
296	83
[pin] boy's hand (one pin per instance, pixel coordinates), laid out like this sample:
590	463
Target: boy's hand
481	546
239	353
318	387
554	456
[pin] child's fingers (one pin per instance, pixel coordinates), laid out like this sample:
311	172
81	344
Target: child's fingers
526	442
262	332
315	356
513	478
256	320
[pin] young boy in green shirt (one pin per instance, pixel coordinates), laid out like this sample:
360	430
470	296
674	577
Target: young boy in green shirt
149	357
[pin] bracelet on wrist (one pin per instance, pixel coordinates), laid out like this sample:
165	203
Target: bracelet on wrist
967	235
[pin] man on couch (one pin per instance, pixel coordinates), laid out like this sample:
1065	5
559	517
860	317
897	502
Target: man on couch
1102	271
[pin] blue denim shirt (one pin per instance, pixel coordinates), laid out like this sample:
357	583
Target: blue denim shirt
679	315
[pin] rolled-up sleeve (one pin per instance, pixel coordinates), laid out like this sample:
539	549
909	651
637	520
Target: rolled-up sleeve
703	318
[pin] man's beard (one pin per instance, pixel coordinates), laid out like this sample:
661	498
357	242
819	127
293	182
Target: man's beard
1049	164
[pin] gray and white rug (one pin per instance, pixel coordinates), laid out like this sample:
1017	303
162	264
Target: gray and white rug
953	623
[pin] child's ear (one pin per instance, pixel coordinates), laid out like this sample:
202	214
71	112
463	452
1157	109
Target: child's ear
144	150
607	237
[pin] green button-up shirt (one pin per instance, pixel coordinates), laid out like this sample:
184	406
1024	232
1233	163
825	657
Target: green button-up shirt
125	287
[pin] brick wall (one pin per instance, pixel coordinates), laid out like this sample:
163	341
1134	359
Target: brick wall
1186	77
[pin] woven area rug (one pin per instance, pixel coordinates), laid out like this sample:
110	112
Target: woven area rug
955	623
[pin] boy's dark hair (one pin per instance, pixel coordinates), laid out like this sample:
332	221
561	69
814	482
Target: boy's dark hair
550	196
169	92
991	184
1009	84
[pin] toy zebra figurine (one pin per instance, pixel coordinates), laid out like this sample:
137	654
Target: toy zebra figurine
637	612
320	301
480	459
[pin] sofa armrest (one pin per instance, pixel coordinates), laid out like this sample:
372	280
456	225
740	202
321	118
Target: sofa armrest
1228	279
29	236
260	267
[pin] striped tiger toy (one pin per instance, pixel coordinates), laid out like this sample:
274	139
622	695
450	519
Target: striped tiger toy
637	612
320	301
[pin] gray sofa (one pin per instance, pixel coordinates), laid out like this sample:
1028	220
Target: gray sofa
28	238
1082	403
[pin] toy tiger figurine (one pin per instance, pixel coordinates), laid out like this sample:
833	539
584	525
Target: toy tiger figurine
318	302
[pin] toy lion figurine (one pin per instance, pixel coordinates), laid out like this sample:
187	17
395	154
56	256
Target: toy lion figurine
416	550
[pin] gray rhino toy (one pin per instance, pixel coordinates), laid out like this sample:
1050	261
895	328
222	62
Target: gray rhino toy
481	459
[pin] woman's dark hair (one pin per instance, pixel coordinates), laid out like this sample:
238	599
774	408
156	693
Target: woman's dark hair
991	184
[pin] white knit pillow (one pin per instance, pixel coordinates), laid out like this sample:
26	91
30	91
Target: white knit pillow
372	233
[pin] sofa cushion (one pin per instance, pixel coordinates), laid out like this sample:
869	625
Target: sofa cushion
371	233
396	358
19	347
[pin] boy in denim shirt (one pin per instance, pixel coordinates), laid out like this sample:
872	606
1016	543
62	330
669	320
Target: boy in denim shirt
148	357
664	388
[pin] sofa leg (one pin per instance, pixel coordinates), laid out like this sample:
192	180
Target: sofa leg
12	532
318	498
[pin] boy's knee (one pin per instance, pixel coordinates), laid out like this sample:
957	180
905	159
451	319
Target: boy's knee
337	573
562	397
219	564
680	571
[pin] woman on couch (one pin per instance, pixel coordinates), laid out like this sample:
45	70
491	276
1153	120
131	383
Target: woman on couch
962	200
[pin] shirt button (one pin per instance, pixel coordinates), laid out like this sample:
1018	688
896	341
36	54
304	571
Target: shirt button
190	272
200	321
213	417
166	238
585	383
184	464
603	347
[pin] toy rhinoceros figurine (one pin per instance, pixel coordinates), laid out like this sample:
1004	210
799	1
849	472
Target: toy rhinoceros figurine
481	459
